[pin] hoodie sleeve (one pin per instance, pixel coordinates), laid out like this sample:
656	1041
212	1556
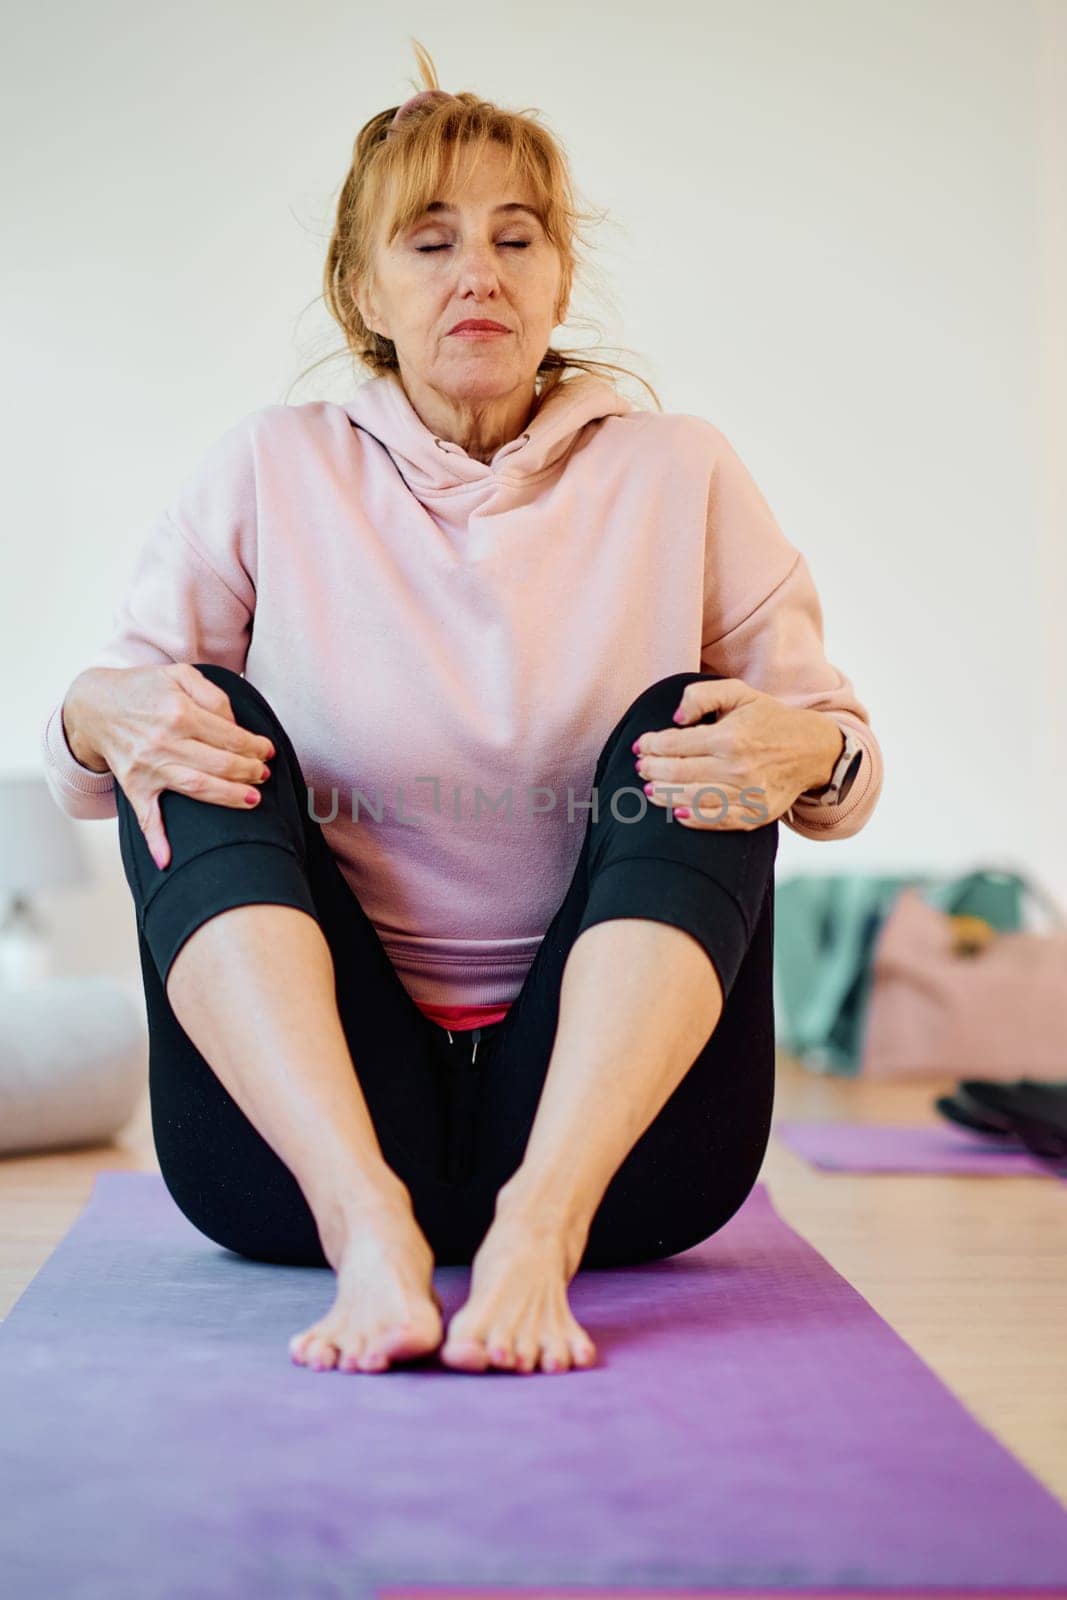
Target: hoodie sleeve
190	596
763	623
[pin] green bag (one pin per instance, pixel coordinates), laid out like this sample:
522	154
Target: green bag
825	930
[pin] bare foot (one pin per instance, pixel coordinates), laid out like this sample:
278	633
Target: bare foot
386	1307
517	1316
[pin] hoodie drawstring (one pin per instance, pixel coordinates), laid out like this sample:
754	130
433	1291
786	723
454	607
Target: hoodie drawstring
462	1110
476	1036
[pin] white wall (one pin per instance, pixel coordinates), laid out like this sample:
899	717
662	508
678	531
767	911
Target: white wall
837	229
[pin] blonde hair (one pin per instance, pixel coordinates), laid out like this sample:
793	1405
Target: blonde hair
418	163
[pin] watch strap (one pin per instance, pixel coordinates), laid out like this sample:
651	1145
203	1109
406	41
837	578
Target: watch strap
846	769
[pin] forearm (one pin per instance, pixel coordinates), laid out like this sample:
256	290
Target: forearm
80	716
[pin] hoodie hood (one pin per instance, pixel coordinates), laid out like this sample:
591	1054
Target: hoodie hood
432	466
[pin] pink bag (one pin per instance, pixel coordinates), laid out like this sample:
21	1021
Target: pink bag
945	1006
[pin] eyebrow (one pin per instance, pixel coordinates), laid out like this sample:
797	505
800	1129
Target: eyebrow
509	205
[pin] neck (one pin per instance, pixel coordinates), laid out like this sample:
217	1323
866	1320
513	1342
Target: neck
480	427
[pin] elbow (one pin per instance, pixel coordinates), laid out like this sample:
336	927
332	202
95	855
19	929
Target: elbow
80	804
840	821
79	791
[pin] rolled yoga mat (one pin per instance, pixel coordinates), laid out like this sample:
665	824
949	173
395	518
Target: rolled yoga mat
886	1147
753	1424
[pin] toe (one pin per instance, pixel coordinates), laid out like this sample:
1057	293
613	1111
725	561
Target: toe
468	1354
415	1337
527	1355
464	1344
501	1350
322	1354
380	1346
303	1346
298	1345
583	1349
556	1355
373	1361
350	1355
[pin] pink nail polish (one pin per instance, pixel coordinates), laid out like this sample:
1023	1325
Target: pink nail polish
649	788
682	811
634	746
251	796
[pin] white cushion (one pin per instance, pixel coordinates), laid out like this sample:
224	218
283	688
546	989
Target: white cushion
73	1063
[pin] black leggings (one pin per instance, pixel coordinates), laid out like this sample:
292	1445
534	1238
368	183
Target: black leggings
452	1128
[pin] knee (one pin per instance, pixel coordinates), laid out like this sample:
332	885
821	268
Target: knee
255	706
225	677
254	1231
653	708
238	690
659	700
643	1241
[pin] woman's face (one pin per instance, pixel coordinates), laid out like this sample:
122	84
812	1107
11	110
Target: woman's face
471	255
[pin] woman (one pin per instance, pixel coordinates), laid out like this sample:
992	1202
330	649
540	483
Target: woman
478	967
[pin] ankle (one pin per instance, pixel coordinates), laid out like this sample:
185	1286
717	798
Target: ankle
344	1217
531	1211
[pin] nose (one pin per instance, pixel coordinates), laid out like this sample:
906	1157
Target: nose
478	269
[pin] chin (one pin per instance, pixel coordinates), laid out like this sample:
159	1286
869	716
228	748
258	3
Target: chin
489	384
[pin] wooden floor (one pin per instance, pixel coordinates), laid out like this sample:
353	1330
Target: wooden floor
972	1272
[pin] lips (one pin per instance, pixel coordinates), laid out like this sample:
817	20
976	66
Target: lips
479	325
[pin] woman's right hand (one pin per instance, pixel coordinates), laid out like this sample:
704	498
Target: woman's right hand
169	727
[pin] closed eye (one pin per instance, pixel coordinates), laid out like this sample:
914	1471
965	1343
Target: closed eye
511	244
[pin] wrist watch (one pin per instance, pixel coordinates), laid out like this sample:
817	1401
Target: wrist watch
843	776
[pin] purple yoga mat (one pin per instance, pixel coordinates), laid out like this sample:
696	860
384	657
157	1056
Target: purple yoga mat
753	1424
885	1147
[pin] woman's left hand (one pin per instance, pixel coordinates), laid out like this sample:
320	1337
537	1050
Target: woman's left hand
751	764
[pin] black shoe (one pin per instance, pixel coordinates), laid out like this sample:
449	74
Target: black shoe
965	1114
1045	1103
1035	1112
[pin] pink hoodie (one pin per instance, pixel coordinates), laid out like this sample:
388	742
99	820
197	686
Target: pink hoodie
448	641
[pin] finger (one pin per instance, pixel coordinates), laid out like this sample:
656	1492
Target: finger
669	795
711	694
737	820
201	783
198	785
218	730
714	805
741	814
701	767
202	690
701	739
200	751
155	835
221	727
